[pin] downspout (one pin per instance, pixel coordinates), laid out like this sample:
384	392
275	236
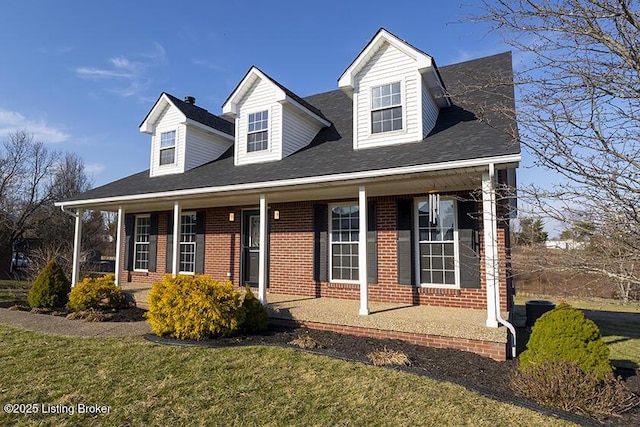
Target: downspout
494	232
70	213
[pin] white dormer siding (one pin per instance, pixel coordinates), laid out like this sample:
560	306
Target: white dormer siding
195	143
290	125
169	120
260	97
408	93
429	111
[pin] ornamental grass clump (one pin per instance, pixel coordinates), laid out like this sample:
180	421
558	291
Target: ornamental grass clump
566	365
50	289
194	308
95	293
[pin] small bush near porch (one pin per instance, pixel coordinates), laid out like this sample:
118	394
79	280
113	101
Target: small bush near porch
199	307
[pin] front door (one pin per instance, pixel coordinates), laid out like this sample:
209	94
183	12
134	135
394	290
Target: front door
250	247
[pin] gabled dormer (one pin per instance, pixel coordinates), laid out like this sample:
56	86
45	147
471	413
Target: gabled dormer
396	90
271	122
183	135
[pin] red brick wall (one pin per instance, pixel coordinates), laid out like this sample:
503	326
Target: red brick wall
291	258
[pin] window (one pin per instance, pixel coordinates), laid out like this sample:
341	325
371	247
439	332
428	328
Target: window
258	135
167	148
437	244
344	223
386	108
141	257
188	243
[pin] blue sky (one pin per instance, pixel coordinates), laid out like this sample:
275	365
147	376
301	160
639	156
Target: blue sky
82	75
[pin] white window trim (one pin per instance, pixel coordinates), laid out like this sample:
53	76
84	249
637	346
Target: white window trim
175	147
269	133
330	239
135	241
456	245
403	104
195	246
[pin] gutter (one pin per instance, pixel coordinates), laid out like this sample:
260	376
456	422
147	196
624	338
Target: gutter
70	213
494	231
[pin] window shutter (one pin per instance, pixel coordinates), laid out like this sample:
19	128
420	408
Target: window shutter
153	241
129	229
469	243
372	243
169	252
320	242
404	225
200	232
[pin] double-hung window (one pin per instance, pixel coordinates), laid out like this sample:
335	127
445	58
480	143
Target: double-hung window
437	243
167	148
188	243
344	223
141	242
258	131
386	108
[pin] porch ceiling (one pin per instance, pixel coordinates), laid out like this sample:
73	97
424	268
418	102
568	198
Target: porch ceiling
433	181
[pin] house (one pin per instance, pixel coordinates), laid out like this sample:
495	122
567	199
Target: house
384	189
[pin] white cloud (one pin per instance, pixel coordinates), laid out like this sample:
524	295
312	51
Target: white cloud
94	168
205	63
12	121
131	76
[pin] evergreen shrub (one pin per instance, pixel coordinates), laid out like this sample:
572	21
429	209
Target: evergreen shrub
51	288
95	293
256	316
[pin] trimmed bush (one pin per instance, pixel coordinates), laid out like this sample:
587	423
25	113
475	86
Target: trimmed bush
51	288
256	316
565	334
194	307
95	293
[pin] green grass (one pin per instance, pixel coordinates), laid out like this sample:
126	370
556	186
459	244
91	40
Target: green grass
148	384
619	324
14	291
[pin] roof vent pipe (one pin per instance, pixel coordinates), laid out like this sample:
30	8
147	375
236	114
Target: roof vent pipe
190	100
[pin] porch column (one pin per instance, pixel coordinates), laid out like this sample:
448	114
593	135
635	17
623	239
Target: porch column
177	219
119	243
77	244
490	246
362	251
262	264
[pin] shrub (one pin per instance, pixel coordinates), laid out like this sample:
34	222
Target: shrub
51	287
565	334
194	307
387	356
564	385
256	316
95	293
306	342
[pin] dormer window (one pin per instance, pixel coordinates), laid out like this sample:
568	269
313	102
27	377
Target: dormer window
386	108
258	132
167	148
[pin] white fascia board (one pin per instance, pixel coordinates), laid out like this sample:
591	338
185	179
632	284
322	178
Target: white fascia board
231	105
208	129
306	111
512	159
148	126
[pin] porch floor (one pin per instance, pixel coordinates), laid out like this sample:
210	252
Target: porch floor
468	324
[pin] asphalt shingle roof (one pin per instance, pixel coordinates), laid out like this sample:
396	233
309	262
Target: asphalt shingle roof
200	115
466	130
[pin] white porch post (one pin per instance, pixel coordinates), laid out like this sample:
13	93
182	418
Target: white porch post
77	243
489	219
262	264
177	218
362	251
119	243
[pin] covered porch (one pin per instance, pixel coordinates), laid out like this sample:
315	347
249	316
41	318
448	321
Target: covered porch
442	327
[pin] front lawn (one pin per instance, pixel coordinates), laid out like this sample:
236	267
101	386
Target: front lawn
146	384
14	292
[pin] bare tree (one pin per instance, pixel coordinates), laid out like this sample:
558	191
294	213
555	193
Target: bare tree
579	113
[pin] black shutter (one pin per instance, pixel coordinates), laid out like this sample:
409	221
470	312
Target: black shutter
200	231
372	243
320	242
129	229
153	241
469	243
169	257
404	224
